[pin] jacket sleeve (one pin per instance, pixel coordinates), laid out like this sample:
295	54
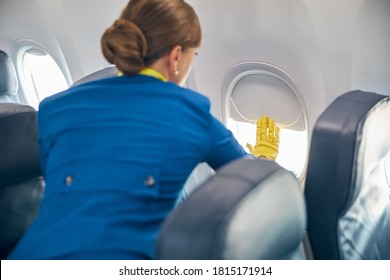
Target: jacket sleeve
223	145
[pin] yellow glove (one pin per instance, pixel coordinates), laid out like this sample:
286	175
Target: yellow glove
267	139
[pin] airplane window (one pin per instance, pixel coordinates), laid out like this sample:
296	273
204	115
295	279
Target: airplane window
43	77
251	89
292	149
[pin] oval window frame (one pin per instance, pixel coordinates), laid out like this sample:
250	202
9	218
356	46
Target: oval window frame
22	47
240	70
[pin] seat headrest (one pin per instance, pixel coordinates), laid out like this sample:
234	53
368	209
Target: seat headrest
250	209
346	190
107	72
19	148
364	226
8	80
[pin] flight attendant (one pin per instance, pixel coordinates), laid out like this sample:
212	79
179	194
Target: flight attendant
116	152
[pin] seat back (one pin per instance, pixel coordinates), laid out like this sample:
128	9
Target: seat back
347	193
249	209
8	80
21	183
107	72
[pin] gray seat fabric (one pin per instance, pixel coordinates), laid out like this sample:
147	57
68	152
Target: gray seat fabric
249	209
21	183
8	80
107	72
347	193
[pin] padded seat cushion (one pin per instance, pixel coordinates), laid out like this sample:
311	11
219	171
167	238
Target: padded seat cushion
8	81
250	209
346	192
19	146
21	183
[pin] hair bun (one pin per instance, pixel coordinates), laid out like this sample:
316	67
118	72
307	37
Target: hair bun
124	25
124	44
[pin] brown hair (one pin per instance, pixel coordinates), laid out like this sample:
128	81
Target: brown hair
148	30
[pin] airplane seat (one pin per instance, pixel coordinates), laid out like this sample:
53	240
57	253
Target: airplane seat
8	80
346	192
21	183
107	72
249	209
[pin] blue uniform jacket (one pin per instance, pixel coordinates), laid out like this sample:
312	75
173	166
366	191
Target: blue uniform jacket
115	154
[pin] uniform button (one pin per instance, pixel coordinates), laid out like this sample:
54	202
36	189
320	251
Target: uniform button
69	180
150	182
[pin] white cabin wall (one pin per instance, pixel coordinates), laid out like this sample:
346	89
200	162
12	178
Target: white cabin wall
371	48
354	39
79	26
328	47
22	19
70	30
23	24
276	32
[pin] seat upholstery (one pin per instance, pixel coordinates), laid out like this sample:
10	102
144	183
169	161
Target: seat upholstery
107	72
8	80
347	193
249	209
21	183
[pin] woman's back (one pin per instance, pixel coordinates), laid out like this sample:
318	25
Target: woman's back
115	154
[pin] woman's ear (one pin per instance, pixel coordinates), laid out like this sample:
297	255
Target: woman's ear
174	57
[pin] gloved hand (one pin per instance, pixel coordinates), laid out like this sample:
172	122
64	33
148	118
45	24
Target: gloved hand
267	139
